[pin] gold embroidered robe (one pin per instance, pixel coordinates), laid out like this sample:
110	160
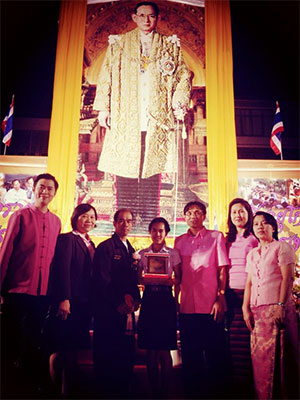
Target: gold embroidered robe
117	92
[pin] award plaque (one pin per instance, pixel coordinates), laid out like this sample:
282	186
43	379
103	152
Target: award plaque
157	265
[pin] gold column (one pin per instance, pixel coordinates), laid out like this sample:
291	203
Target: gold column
221	138
64	128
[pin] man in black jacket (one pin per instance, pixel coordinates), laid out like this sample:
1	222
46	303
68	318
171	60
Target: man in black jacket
116	297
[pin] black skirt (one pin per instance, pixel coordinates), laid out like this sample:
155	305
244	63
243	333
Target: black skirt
157	324
69	334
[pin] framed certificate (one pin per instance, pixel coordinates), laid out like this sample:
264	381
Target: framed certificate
157	265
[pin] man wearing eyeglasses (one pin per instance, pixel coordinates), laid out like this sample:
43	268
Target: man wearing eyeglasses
116	297
204	262
143	88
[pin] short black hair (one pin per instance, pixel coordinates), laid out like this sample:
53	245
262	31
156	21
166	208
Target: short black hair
79	210
116	215
270	220
158	220
194	203
46	176
147	3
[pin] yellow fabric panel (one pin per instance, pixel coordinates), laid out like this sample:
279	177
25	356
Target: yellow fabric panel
64	128
221	138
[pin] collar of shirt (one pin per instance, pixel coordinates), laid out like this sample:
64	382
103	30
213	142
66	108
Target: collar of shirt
84	237
146	38
37	210
261	248
87	241
199	234
125	243
162	250
119	243
146	44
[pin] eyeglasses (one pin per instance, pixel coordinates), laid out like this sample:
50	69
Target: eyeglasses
145	16
124	221
196	213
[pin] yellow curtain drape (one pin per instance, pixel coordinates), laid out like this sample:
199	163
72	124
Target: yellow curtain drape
64	128
221	138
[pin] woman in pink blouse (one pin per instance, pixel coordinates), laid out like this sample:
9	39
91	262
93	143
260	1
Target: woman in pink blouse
269	312
239	242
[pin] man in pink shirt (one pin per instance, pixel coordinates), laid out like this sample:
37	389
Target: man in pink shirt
25	258
204	261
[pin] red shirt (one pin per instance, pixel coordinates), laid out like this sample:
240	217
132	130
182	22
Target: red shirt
27	251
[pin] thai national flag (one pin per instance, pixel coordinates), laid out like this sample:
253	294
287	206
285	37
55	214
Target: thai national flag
275	140
6	125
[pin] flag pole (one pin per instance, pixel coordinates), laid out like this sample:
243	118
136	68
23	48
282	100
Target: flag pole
276	134
7	126
281	157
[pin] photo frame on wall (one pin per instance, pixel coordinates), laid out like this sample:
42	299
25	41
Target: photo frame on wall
18	168
182	161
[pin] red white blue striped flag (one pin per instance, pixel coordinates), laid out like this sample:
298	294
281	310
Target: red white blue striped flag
6	125
275	140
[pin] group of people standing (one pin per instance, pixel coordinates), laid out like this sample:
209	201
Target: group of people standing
53	285
57	287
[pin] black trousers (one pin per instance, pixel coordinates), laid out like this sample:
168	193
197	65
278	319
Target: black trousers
204	357
23	368
113	353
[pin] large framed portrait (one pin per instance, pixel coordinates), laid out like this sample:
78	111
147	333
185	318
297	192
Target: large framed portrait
181	162
157	265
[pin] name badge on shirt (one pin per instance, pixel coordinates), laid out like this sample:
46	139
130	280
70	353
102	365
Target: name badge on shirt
117	257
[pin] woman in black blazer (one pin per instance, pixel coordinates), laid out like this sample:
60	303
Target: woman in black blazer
70	293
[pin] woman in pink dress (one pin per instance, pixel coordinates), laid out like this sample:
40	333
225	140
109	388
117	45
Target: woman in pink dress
270	314
239	242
